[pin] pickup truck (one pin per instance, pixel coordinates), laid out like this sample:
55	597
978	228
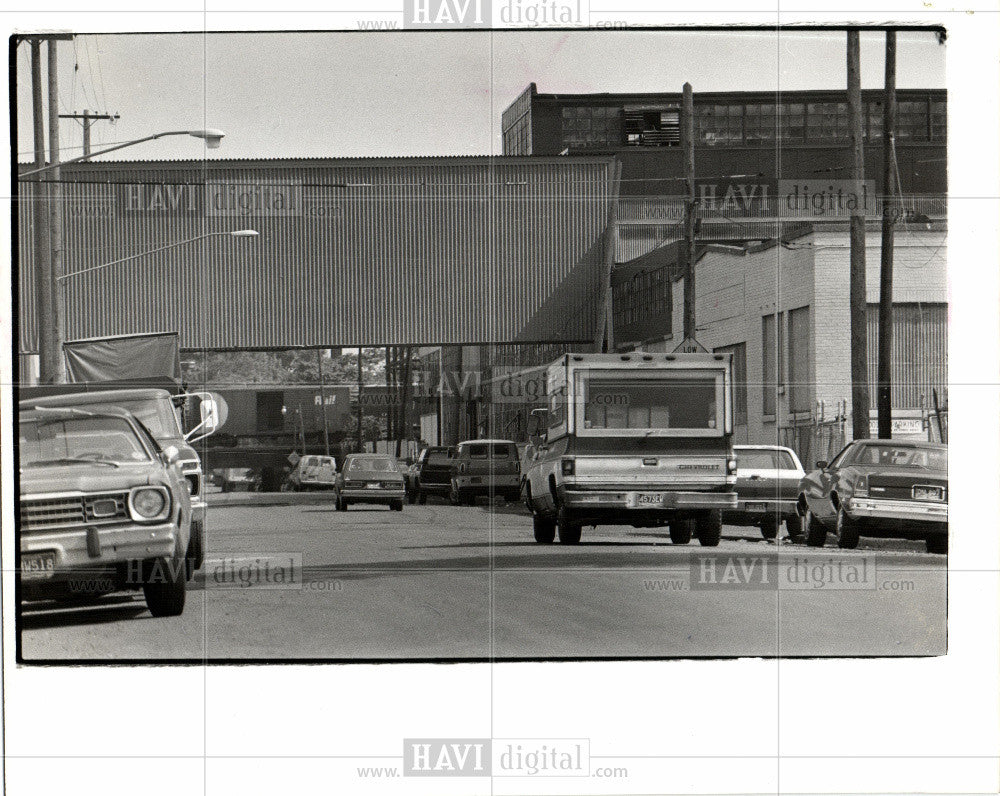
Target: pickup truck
102	508
155	409
641	439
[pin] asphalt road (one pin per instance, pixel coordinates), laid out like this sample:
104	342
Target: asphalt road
444	582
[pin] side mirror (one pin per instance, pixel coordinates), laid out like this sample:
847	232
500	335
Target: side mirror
822	464
171	455
537	423
213	411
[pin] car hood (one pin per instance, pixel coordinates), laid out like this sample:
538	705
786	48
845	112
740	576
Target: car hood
87	478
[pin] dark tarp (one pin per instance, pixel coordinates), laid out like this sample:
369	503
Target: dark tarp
141	356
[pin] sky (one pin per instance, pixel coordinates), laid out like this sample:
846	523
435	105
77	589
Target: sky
357	94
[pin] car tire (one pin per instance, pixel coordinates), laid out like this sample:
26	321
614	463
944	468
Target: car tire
847	531
396	505
164	586
681	531
341	504
813	532
708	526
770	525
411	497
196	550
545	529
937	544
422	498
793	525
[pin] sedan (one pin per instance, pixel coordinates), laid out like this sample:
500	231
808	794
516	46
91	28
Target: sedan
767	485
878	488
370	478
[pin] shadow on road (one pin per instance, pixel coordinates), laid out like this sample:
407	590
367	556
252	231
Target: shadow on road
39	618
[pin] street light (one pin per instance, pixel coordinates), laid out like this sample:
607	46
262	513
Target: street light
237	233
213	138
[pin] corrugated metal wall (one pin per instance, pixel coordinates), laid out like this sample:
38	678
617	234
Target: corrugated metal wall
373	252
919	354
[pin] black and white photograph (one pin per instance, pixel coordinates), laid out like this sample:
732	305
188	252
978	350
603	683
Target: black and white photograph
502	397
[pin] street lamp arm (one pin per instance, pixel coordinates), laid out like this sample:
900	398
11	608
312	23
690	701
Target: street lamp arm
238	233
208	135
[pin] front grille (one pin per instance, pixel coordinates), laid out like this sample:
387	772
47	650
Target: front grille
46	514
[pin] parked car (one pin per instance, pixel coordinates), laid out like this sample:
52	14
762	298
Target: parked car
484	467
102	508
238	479
879	488
432	472
767	485
312	473
370	478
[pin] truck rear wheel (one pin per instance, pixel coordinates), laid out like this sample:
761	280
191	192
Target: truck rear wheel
770	525
569	531
545	529
681	531
709	528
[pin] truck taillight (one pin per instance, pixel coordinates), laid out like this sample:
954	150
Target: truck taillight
568	466
731	465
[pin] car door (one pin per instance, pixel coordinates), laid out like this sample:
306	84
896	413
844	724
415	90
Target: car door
825	481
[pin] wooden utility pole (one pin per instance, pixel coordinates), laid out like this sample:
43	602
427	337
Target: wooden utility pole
687	143
361	411
44	283
55	219
88	122
884	399
606	331
322	402
858	289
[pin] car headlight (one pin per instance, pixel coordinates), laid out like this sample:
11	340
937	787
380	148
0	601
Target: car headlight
149	503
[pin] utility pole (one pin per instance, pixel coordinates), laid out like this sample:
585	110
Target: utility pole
88	121
44	283
687	143
884	399
361	411
57	322
858	290
322	401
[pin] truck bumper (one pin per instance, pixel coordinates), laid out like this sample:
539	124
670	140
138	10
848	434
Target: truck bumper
483	484
76	550
628	500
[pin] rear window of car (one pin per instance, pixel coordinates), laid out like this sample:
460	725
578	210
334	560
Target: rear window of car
438	457
900	456
764	460
372	465
491	450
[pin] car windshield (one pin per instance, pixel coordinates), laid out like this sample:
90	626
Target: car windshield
764	460
372	465
654	403
901	456
63	440
156	415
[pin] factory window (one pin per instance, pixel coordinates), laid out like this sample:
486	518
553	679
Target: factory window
596	127
827	121
719	124
653	126
911	121
739	352
799	346
645	295
760	123
773	361
793	121
939	120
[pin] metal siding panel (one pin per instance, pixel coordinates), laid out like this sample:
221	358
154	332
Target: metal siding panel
431	251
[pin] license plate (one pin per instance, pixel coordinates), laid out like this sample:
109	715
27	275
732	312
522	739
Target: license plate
756	505
645	500
36	566
372	485
927	493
